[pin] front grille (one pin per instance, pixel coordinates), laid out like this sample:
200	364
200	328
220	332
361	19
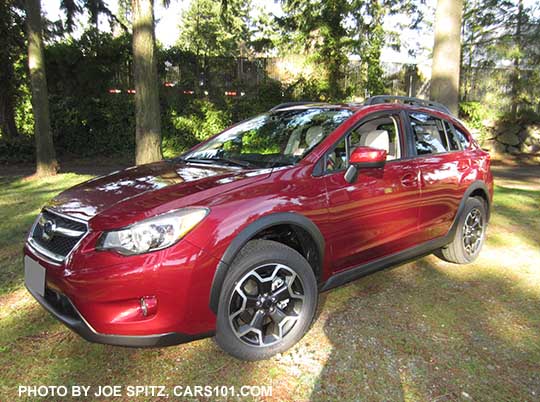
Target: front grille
64	236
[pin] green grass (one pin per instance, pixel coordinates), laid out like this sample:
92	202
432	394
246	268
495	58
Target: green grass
427	330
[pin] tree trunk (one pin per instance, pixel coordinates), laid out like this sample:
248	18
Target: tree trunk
446	54
516	74
147	118
46	163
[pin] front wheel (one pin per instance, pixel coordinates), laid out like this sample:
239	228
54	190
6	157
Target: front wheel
470	234
267	302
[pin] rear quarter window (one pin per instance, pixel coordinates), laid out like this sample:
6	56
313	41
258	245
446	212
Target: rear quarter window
453	140
462	138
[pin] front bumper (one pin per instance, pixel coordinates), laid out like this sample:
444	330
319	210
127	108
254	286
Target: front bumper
98	294
63	310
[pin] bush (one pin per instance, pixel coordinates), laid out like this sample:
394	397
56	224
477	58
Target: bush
93	126
200	120
20	149
308	89
479	117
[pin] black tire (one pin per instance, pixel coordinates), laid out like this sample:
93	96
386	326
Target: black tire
273	326
460	250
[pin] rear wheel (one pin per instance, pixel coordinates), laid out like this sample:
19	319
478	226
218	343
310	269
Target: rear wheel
470	234
267	302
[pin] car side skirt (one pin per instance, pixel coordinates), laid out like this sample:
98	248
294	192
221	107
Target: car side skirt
391	261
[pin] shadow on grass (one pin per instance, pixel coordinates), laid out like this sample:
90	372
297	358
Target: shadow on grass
523	174
421	333
8	180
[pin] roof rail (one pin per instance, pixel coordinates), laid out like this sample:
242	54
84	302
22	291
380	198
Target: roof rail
288	104
374	100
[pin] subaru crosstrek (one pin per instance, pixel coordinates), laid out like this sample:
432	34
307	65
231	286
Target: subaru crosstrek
237	237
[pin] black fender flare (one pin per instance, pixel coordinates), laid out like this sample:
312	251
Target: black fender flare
274	219
477	185
474	186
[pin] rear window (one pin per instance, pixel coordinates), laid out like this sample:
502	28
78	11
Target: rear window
429	134
433	135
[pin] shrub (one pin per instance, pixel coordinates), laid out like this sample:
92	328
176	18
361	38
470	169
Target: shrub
479	117
201	120
20	149
93	126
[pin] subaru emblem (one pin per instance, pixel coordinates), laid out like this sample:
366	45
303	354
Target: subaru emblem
49	228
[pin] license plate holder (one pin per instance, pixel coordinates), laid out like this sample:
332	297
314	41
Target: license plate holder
34	276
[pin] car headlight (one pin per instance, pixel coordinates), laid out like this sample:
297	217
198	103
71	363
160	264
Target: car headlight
154	233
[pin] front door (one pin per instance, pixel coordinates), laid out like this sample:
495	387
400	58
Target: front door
377	215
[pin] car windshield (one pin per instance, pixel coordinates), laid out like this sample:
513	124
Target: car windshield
272	139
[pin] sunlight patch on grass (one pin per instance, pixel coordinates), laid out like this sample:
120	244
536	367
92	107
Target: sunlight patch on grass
15	301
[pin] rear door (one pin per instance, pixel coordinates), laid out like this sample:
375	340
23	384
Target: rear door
442	164
377	215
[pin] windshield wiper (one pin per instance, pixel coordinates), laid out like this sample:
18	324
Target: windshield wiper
229	161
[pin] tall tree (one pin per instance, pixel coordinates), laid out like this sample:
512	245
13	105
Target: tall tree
333	29
503	34
147	117
446	54
322	30
515	80
207	30
46	163
94	8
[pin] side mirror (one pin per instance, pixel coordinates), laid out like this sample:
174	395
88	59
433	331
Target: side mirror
364	157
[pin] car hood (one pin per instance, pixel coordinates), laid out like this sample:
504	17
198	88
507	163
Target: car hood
146	190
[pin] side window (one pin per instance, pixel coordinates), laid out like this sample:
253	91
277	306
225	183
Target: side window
337	159
381	132
429	134
462	138
453	143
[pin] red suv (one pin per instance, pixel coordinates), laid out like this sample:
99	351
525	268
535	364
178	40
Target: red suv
237	237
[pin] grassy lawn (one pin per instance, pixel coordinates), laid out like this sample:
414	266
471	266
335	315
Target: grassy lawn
427	330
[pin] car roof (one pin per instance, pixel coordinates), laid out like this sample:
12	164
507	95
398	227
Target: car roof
313	105
403	102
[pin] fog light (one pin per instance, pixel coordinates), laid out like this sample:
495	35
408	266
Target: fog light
148	305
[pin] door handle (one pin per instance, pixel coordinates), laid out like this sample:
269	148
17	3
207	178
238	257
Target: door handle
408	180
463	165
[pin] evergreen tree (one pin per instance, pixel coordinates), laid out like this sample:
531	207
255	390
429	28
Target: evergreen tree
207	30
46	163
446	54
498	33
147	110
332	30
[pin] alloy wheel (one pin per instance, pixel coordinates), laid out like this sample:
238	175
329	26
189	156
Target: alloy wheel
473	231
266	304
